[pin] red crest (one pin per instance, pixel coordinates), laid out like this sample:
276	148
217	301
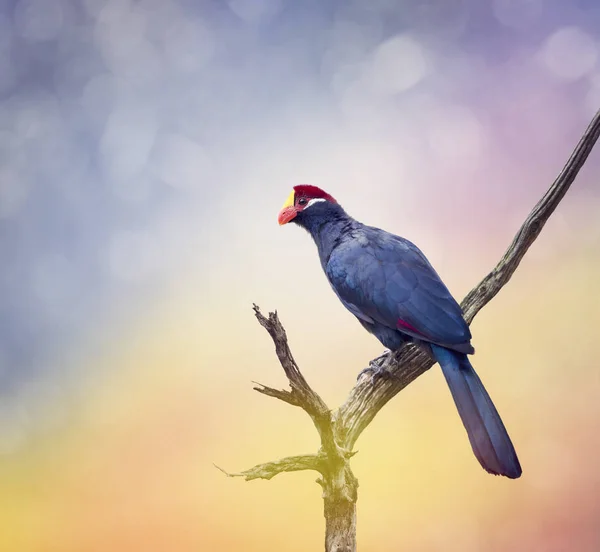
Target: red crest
312	192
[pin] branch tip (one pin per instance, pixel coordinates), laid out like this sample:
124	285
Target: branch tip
226	472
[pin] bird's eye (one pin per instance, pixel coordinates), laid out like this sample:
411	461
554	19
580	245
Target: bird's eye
302	201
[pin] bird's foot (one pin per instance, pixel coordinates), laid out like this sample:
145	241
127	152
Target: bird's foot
383	355
376	370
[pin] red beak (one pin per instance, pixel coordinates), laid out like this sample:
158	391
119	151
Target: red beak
286	214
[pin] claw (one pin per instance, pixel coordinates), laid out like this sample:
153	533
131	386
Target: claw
383	355
376	368
377	371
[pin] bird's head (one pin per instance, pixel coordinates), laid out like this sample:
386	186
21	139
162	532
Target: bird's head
304	201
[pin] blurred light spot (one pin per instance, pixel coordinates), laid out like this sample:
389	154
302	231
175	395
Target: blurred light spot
65	161
179	232
397	65
255	11
569	53
445	19
13	191
182	163
133	189
160	16
100	95
127	141
518	14
38	19
120	35
189	45
71	78
345	77
455	133
133	256
39	119
349	41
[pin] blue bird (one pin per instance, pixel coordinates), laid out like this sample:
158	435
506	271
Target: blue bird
394	292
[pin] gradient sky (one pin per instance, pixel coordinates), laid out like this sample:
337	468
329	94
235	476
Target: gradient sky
146	148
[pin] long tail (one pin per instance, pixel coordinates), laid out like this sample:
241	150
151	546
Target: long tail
490	441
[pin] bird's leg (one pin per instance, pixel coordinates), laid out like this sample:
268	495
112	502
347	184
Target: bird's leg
376	368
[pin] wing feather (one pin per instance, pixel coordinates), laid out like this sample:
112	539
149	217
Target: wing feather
387	279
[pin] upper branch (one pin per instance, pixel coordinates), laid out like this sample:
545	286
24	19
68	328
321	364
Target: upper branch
365	400
479	296
301	393
409	362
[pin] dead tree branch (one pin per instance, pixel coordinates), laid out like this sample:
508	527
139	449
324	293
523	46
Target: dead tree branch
301	394
339	431
409	363
290	464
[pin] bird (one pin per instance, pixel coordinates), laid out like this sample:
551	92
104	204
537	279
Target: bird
388	284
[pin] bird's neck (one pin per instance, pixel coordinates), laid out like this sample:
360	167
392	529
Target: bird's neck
327	232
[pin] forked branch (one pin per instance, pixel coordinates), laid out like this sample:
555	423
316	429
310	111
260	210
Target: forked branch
409	363
340	430
301	393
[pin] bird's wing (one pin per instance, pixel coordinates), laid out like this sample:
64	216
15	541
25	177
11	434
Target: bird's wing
385	278
354	309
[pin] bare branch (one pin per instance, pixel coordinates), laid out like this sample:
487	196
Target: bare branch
532	226
307	398
280	394
365	400
271	469
301	393
340	431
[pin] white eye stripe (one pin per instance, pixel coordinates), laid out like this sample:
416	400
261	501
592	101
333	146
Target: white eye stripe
313	201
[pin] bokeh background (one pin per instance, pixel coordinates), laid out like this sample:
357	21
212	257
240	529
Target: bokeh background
146	148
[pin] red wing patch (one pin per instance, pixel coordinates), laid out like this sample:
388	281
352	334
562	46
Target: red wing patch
402	325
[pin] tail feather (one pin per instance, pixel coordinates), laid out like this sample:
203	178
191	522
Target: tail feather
488	436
